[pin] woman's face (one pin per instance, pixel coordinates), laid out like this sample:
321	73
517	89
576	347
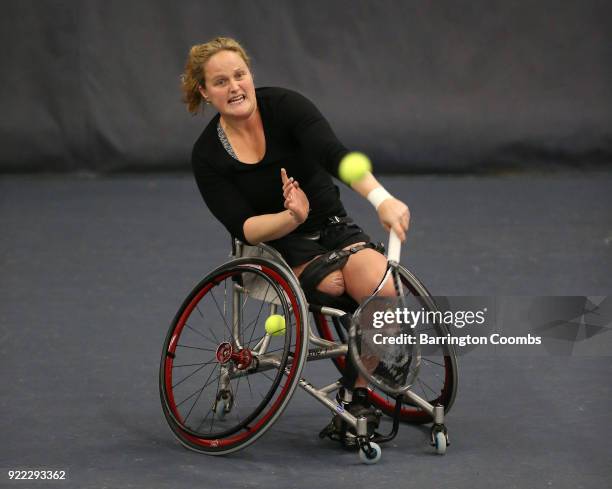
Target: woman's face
229	85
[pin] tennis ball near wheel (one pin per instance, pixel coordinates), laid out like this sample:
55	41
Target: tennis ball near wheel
275	325
353	167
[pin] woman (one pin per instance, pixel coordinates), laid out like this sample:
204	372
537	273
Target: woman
263	166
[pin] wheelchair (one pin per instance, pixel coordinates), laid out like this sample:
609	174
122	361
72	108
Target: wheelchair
224	380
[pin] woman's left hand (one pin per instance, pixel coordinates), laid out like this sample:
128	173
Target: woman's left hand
296	201
394	214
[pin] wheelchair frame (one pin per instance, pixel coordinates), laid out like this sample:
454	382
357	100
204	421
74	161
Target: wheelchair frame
324	348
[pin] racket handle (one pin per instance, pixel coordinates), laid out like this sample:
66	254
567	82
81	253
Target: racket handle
394	248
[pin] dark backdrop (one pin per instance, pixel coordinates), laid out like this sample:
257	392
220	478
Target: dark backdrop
92	86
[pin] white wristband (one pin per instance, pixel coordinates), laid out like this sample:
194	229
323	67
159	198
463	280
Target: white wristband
378	196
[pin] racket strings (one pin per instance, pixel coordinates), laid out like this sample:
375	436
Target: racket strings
387	353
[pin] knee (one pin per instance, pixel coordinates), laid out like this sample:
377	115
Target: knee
363	274
332	284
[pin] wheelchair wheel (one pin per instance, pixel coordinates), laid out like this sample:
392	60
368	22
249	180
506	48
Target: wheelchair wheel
223	381
437	379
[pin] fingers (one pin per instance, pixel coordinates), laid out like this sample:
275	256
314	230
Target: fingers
289	186
296	211
284	177
296	201
406	221
293	194
289	193
403	224
399	230
400	225
396	215
404	218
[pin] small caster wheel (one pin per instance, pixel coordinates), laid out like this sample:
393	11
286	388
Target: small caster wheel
223	405
440	442
219	411
370	455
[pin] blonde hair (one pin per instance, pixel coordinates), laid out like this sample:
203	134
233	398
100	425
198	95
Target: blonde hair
193	77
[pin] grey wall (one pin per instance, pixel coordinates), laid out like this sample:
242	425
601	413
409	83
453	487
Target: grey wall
92	86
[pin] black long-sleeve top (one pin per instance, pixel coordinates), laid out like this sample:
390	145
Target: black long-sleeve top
298	138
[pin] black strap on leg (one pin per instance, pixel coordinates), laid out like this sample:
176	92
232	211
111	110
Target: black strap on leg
321	267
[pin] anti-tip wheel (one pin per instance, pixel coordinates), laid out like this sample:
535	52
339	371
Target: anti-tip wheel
372	457
440	442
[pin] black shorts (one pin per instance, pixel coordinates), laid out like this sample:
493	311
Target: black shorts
298	249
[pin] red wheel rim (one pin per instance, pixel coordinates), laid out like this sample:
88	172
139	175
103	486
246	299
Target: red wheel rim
246	357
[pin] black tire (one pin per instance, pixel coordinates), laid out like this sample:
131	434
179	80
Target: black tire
204	362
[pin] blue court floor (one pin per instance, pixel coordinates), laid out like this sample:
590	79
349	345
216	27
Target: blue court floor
94	269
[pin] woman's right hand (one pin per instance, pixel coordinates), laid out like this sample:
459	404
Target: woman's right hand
395	215
296	201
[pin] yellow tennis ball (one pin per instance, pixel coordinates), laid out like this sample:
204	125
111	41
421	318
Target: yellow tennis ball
275	325
354	167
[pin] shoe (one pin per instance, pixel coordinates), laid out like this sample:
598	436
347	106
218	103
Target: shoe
361	406
338	430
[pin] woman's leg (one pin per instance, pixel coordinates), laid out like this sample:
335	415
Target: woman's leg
359	277
362	274
332	284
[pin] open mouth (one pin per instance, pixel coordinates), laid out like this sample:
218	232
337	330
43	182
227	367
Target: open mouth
237	100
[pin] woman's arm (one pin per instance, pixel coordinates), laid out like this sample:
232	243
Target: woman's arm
313	131
392	213
268	227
